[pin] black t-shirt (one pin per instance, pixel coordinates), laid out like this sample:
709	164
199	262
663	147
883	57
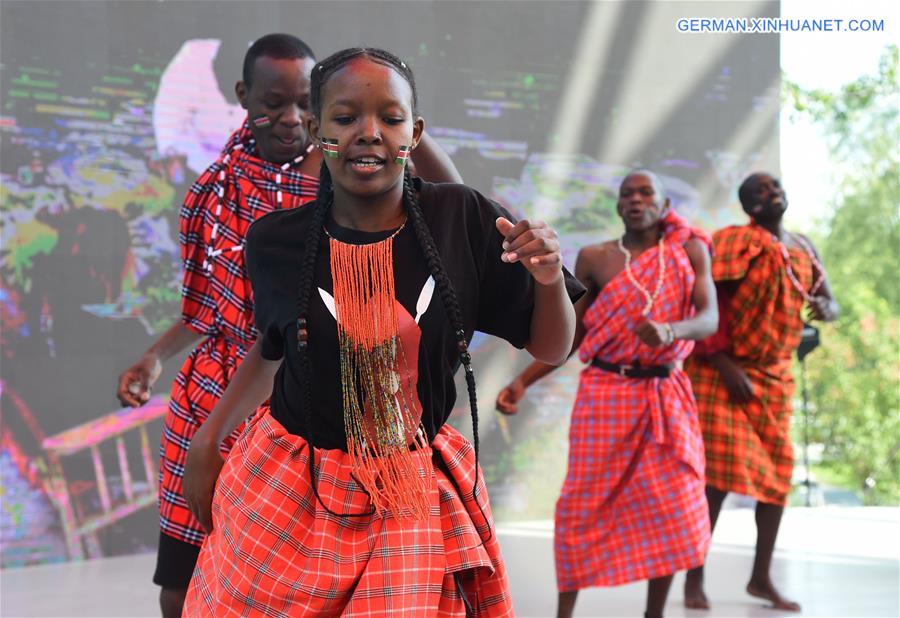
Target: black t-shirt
495	298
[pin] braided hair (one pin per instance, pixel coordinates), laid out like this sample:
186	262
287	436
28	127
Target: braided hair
323	71
324	201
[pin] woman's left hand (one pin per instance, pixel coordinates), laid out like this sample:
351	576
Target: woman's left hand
535	245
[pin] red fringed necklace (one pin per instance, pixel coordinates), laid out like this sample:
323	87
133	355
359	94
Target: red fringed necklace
381	426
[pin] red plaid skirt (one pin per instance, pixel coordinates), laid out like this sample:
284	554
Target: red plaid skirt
633	505
275	551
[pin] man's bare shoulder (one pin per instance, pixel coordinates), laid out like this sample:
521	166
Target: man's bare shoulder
598	252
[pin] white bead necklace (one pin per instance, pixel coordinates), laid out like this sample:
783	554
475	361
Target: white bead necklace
659	282
297	160
211	253
807	296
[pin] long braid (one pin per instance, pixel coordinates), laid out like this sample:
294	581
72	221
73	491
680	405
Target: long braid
324	199
451	305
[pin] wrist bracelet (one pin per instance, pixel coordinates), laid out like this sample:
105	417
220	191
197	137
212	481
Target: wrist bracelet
671	333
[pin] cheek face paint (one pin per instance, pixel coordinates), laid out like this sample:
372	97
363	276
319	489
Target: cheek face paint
330	147
402	155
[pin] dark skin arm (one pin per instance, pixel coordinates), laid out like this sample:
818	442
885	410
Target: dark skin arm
431	163
507	400
738	385
136	382
706	318
823	306
536	246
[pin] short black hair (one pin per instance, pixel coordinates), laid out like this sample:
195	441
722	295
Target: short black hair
745	191
280	46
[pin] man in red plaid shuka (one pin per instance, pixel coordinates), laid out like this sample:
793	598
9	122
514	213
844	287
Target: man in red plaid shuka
268	164
632	506
742	375
264	166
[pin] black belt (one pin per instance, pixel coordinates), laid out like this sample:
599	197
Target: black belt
634	371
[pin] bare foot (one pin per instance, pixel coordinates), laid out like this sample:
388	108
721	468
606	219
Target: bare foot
766	590
694	596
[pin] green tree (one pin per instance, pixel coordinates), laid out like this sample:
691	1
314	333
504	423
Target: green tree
855	376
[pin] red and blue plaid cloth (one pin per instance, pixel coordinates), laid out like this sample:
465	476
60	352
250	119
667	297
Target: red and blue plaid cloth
633	506
217	302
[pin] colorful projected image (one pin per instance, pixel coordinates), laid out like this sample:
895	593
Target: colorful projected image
89	236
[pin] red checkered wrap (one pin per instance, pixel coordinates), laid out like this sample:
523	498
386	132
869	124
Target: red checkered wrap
748	446
195	392
632	506
676	229
217	303
275	551
764	314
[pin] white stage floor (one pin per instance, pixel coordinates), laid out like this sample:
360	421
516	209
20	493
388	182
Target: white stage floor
834	561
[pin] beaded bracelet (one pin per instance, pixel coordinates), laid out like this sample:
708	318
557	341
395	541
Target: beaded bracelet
670	334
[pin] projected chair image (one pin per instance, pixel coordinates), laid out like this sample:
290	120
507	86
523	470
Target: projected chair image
80	523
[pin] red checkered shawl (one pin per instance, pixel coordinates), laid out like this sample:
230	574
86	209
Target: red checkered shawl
217	301
276	551
234	191
762	321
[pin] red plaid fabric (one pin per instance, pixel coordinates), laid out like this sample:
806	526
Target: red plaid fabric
677	230
633	506
275	551
748	446
217	298
765	313
217	302
195	392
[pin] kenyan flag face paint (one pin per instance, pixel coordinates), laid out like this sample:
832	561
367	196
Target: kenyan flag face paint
262	122
330	147
402	155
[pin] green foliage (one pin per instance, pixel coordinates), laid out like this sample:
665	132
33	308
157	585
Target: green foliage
598	214
855	376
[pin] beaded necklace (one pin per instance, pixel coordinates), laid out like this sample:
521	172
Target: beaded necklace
219	188
659	282
807	296
380	418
